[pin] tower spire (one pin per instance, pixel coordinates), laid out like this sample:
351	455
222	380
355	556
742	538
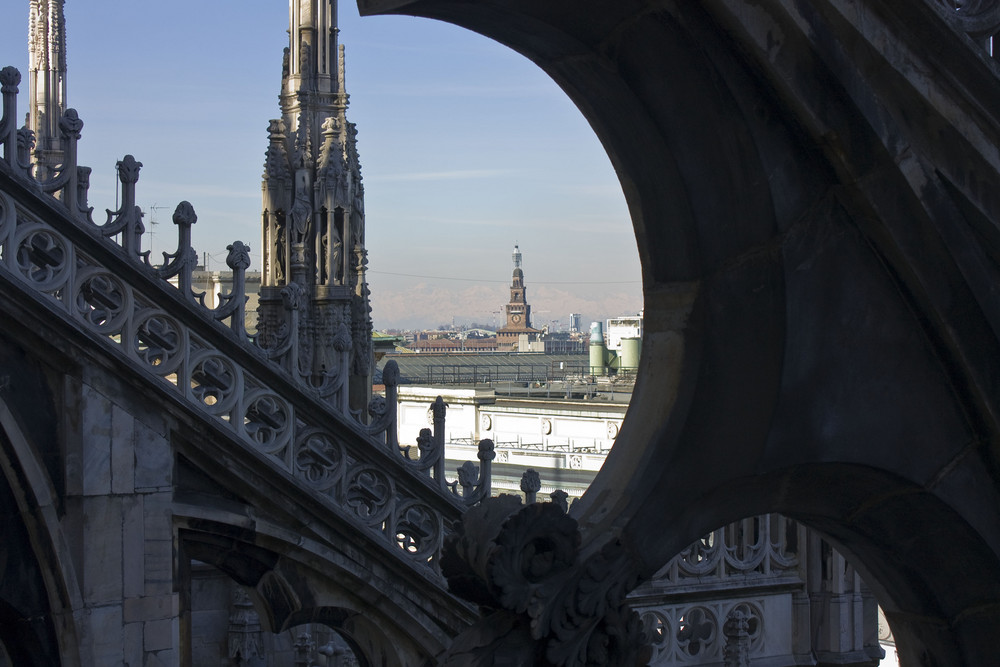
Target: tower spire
313	213
46	81
518	311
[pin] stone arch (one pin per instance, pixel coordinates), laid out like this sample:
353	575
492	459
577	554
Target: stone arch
812	193
371	645
38	588
292	582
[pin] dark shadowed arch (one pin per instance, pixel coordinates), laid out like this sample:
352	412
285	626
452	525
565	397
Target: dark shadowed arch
38	586
292	583
814	190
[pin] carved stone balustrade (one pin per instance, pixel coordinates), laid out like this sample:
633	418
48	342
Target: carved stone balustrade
757	590
96	279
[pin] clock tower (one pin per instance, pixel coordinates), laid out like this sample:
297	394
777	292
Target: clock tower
518	311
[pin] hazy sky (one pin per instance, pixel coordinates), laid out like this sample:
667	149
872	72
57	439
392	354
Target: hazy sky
466	148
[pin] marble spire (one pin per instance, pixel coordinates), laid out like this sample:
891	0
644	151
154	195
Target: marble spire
46	81
313	213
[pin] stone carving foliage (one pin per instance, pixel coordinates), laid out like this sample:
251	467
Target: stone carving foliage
524	562
536	543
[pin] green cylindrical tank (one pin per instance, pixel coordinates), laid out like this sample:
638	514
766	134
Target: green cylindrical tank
630	353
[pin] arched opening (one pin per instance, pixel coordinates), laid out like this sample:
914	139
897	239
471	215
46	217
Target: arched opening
230	625
247	604
501	159
30	580
762	589
763	169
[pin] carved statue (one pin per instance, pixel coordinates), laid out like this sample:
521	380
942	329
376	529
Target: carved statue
300	214
305	57
279	249
336	255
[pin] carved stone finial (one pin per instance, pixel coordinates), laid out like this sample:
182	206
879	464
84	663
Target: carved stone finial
10	79
128	169
291	296
276	128
25	143
487	450
342	341
439	408
377	407
71	126
531	482
390	373
468	475
425	442
239	256
560	498
244	629
184	215
736	629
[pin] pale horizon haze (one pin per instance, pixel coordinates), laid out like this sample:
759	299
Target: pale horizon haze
466	149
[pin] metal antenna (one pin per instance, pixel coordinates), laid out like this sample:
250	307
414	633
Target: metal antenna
152	224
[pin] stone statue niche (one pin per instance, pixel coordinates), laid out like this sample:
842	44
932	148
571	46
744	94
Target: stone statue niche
330	250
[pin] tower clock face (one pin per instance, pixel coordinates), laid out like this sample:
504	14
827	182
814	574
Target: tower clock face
515	318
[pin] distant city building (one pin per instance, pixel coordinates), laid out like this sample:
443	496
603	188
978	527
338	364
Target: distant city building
509	337
563	343
575	320
455	345
619	328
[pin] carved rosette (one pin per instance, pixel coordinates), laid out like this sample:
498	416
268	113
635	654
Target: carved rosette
216	382
535	543
267	420
42	257
417	530
319	460
103	300
369	494
158	341
552	607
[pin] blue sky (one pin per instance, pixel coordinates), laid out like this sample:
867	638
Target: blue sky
466	148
